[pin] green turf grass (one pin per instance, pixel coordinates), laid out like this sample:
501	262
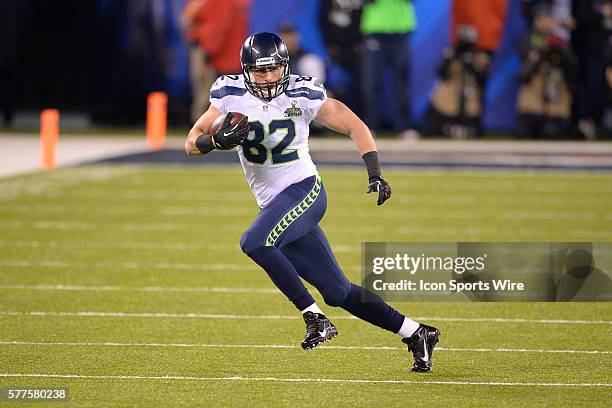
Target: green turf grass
164	240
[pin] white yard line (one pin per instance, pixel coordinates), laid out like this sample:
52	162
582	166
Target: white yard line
109	288
275	379
125	265
69	225
282	346
162	315
174	245
20	263
119	210
295	317
87	225
175	211
513	320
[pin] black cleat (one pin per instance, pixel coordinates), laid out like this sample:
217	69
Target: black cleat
421	345
318	330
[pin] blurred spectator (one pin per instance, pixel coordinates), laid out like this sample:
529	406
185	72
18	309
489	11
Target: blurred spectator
219	28
13	23
590	39
456	102
131	56
561	11
339	24
300	62
606	124
201	74
528	8
486	16
547	74
386	26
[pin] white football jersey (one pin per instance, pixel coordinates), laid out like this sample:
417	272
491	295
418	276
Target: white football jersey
275	154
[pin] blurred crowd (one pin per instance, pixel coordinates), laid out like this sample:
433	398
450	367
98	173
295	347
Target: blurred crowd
565	72
561	88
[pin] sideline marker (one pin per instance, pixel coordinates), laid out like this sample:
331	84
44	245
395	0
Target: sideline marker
49	133
157	110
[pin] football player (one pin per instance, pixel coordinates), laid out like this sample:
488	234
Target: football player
285	238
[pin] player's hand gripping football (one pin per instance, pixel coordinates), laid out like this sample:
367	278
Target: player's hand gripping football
229	136
378	184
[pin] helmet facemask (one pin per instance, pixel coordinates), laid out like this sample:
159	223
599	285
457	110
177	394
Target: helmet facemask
266	90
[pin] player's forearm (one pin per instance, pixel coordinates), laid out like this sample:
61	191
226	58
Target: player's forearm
362	137
190	143
336	116
195	145
198	143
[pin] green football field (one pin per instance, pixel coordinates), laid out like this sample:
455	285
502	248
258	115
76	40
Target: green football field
127	285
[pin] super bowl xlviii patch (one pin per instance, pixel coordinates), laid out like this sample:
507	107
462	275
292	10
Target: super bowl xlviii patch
293	110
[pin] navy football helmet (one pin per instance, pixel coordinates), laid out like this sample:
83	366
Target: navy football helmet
264	52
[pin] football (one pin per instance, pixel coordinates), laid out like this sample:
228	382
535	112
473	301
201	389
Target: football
214	128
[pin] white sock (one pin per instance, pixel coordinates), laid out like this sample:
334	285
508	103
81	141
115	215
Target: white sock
408	328
313	308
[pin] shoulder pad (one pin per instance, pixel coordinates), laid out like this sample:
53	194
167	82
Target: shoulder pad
306	87
228	85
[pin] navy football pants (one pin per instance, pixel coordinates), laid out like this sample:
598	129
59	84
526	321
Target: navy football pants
287	242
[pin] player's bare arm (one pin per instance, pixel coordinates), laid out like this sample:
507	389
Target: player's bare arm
201	127
335	115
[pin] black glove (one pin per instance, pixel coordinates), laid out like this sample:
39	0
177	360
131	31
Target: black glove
377	183
228	136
